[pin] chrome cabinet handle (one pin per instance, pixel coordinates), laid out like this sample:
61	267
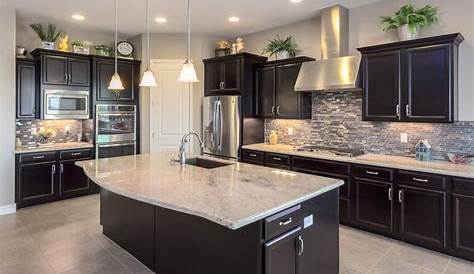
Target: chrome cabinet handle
407	109
252	155
38	157
278	110
420	180
300	239
76	153
273	110
372	172
398	110
61	168
400	196
287	222
390	194
277	158
53	169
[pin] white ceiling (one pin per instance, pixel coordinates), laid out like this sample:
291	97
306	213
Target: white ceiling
208	16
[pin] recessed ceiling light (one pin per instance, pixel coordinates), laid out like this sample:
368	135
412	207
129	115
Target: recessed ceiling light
78	17
160	20
234	19
296	1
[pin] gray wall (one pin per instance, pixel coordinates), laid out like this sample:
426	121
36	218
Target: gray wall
7	105
456	16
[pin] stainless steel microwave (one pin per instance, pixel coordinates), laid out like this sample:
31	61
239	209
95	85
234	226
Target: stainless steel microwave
65	104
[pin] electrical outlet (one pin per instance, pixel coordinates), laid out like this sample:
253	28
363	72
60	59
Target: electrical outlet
404	137
290	131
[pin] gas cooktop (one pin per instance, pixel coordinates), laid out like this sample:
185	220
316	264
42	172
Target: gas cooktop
336	151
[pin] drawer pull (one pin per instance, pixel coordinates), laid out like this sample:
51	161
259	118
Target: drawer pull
420	180
277	158
76	153
38	157
372	172
287	222
252	155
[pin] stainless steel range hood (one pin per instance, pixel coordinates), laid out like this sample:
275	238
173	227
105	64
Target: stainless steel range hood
336	70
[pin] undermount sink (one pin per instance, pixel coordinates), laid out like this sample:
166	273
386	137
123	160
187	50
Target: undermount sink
206	163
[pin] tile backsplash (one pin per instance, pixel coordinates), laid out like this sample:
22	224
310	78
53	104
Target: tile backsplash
337	122
63	130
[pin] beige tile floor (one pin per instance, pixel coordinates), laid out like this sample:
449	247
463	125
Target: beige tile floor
65	237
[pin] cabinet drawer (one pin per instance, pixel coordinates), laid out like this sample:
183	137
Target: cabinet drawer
313	165
421	179
463	186
282	222
277	160
76	154
374	173
37	157
252	156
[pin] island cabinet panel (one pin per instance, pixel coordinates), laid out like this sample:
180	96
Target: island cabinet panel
462	218
281	254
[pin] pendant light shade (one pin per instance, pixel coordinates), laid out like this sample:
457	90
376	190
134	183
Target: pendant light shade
188	73
148	77
116	83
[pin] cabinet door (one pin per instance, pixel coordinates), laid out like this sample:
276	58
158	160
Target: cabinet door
428	87
213	80
265	93
79	72
288	101
231	76
26	91
55	70
463	225
381	86
127	74
281	254
72	179
36	183
423	216
373	205
104	73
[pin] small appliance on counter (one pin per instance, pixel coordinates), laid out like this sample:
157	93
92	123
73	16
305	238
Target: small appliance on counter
115	130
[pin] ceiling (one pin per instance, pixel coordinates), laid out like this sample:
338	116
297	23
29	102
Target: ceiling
208	16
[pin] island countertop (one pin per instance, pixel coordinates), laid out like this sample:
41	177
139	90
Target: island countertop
233	196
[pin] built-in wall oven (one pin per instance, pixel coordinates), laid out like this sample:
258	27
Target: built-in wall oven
116	127
65	104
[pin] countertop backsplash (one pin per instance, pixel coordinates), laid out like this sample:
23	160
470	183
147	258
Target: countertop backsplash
63	130
337	122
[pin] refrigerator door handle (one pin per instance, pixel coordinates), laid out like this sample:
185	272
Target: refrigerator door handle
214	124
221	128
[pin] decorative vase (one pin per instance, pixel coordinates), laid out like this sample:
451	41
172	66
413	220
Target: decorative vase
47	45
282	55
407	33
273	137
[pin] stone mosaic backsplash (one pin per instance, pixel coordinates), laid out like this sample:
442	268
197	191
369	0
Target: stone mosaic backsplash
63	131
337	122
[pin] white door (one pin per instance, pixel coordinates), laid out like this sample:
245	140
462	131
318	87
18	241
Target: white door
170	107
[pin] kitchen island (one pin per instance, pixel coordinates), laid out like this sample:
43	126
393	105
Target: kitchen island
233	219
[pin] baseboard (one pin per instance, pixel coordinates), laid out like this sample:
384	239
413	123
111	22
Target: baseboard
7	209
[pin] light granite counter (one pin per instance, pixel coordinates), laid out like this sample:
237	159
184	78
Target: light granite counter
397	162
232	196
53	147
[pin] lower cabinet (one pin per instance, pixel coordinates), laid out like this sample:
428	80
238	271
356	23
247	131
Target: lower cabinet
281	253
36	183
462	218
72	180
374	205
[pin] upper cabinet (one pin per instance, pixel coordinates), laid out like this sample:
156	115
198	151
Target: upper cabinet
26	96
66	69
275	94
230	75
412	81
104	68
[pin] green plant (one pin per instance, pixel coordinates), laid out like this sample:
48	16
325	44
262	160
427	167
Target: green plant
80	43
409	15
278	44
49	33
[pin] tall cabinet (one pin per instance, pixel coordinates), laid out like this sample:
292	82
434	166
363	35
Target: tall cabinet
412	81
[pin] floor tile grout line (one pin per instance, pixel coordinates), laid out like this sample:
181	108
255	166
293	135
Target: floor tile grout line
447	265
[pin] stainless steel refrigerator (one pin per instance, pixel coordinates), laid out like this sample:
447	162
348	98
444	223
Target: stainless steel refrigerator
222	121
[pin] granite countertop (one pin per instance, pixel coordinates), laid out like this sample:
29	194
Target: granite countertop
52	147
398	162
232	196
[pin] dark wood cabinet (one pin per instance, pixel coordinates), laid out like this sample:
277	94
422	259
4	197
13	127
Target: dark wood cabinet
36	183
231	75
418	204
79	70
73	181
104	68
54	70
281	254
26	96
412	81
275	94
462	220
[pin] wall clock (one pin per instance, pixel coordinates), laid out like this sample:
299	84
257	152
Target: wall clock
125	49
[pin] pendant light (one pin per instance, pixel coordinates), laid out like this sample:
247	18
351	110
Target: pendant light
115	83
148	77
188	74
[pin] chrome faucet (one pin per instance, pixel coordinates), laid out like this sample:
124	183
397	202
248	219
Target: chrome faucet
182	147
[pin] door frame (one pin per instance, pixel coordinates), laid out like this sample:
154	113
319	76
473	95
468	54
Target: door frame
191	100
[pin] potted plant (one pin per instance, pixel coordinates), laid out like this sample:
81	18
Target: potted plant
103	50
409	20
80	46
281	48
48	34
